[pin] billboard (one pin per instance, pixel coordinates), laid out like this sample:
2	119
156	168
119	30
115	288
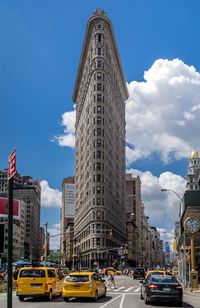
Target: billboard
4	207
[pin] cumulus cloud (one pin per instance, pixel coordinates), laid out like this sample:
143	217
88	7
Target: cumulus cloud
163	112
68	123
162	208
50	197
55	240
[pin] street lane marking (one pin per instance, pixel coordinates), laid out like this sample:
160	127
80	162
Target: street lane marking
119	289
122	301
128	289
138	289
112	300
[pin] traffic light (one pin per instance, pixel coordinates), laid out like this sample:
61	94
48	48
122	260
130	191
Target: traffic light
110	233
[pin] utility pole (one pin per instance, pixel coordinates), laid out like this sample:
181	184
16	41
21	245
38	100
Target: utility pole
45	242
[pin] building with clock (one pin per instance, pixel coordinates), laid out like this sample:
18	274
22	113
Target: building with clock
190	218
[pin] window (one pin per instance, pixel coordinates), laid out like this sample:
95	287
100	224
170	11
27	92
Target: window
98	154
98	132
98	177
98	189
99	51
98	120
98	215
99	26
98	86
98	98
98	201
99	38
98	109
99	64
98	143
98	76
98	166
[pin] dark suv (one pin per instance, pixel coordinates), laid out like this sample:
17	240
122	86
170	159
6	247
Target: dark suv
138	272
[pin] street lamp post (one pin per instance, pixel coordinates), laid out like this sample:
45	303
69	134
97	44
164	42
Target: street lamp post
183	272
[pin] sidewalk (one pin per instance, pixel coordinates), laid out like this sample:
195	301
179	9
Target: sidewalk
189	291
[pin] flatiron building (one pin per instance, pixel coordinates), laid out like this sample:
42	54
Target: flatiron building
100	93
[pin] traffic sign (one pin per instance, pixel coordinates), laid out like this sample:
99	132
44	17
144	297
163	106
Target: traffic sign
12	164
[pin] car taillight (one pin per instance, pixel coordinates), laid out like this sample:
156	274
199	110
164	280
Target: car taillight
91	283
152	286
46	286
179	287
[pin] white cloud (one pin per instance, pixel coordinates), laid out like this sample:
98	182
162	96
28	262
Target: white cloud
163	113
68	122
50	197
54	240
161	207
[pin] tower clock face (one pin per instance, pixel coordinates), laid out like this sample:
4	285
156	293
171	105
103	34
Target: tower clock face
192	224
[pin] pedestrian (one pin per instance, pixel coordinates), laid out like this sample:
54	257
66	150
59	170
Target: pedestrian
111	281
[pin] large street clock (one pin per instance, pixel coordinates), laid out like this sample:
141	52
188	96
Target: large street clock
192	224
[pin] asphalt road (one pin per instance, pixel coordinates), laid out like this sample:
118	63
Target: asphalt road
127	295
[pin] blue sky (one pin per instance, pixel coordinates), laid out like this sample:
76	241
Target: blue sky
159	47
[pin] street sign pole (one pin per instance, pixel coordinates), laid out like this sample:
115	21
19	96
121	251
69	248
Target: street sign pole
11	173
10	242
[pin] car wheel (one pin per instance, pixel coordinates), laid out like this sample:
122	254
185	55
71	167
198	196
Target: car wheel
21	298
96	296
50	296
66	299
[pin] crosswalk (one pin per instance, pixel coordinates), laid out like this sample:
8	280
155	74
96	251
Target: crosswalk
124	289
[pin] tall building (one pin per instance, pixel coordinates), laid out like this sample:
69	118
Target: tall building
67	218
100	93
28	190
18	228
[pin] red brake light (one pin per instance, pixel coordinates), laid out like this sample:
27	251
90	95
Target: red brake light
152	286
46	286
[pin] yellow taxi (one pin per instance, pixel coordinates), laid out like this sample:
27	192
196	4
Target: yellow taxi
110	271
83	284
118	272
154	272
38	281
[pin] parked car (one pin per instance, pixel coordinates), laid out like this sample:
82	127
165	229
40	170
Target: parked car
83	284
161	288
38	281
138	272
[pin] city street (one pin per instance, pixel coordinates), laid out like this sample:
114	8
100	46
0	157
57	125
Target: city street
127	295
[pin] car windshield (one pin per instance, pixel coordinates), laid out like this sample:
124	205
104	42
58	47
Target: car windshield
77	278
163	279
32	273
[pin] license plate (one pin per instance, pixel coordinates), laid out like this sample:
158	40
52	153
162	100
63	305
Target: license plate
78	286
36	287
166	289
